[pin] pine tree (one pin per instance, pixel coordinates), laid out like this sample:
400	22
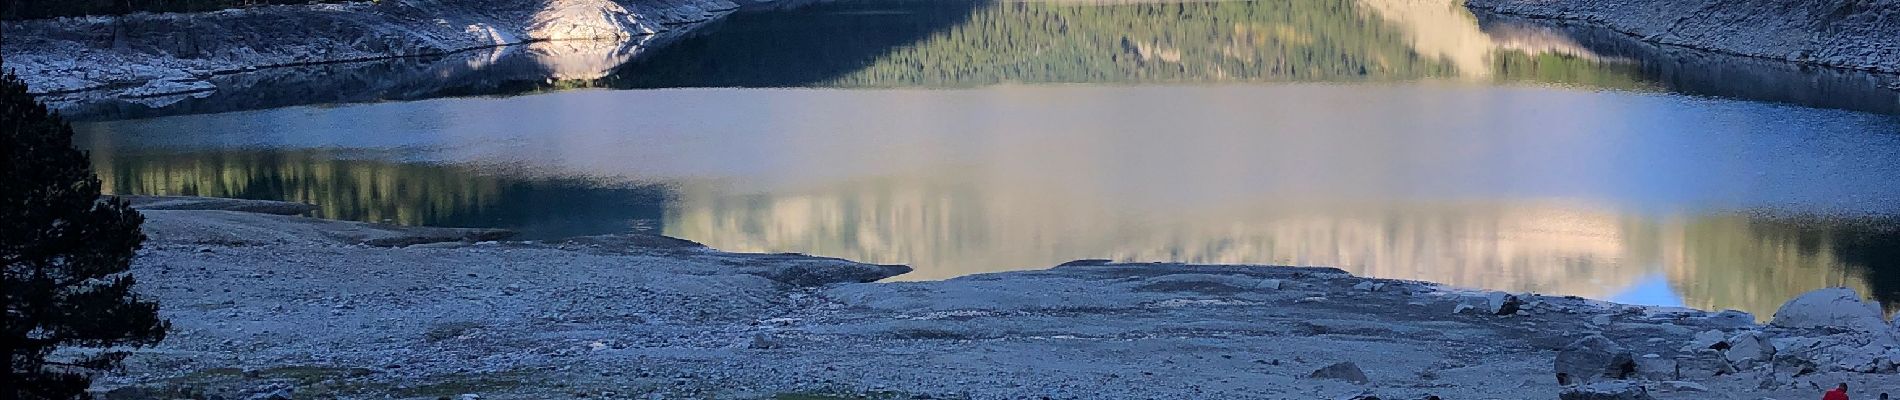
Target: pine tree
64	257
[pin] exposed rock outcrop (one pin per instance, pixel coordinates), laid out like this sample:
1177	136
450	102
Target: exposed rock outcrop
1830	308
1856	34
145	55
1593	359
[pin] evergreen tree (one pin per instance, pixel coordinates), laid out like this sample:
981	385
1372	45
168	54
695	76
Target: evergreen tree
64	256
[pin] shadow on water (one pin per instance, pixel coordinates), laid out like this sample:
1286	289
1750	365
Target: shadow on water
1732	260
1695	72
352	187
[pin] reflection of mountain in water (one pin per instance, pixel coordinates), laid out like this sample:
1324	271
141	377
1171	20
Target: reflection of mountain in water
1749	262
949	229
959	227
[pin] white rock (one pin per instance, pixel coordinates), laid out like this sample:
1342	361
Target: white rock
1706	339
1748	347
1830	307
1271	284
1365	286
1601	320
1461	308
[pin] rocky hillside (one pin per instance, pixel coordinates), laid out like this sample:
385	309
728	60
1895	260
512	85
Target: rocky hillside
1858	34
160	54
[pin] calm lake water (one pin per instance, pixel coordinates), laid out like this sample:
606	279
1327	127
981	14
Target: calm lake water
1401	139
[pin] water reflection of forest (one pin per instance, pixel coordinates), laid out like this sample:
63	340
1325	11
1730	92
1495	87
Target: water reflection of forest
371	190
1724	260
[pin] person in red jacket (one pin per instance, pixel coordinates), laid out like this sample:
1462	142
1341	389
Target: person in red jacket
1839	393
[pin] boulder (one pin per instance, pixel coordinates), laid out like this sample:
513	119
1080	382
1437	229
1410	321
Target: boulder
1345	371
1702	364
1830	308
1593	359
1709	339
1843	351
1610	390
1500	303
1748	348
1657	368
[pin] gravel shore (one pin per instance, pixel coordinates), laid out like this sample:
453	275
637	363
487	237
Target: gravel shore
275	306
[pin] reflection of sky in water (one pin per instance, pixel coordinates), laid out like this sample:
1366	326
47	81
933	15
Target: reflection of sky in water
1150	147
1652	290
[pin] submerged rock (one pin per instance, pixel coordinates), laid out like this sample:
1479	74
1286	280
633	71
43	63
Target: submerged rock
1345	371
1593	359
1830	308
808	271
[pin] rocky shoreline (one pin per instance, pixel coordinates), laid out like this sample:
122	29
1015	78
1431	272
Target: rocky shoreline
147	56
1851	34
272	306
